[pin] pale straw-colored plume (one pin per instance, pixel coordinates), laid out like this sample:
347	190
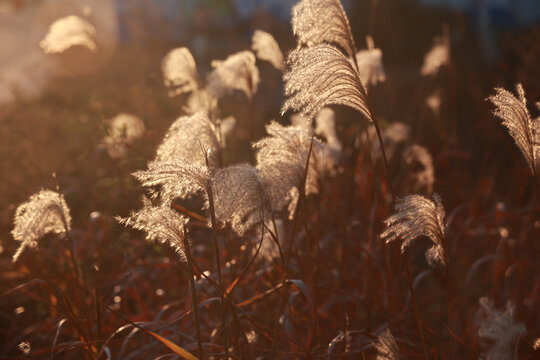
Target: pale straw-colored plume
281	162
237	72
177	178
269	251
292	199
239	197
417	216
43	213
266	48
68	32
536	344
225	128
319	76
162	224
500	330
322	21
370	65
179	71
433	102
24	347
124	129
191	138
421	170
325	125
437	57
516	118
202	100
387	347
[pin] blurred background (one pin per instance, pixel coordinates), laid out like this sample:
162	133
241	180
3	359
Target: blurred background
55	108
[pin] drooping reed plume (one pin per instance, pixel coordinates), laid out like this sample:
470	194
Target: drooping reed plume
501	330
516	118
322	21
68	32
387	347
281	161
266	48
239	197
180	71
43	213
417	216
421	170
124	129
162	224
192	138
370	65
236	72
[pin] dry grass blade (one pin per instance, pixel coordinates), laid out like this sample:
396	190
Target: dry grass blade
387	347
237	72
161	224
516	118
68	32
501	329
179	71
266	48
185	138
320	76
239	197
417	216
318	21
45	212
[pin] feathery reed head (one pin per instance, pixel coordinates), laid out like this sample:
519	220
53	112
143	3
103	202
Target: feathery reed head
179	71
322	21
370	65
387	347
422	172
501	330
416	216
239	197
204	101
68	32
124	129
45	212
437	57
516	118
176	178
237	72
191	138
281	161
266	48
161	224
321	75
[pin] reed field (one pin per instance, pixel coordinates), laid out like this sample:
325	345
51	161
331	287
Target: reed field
359	183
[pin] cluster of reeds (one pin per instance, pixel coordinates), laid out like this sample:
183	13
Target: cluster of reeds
315	198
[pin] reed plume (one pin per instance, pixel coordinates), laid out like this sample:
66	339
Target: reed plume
162	224
124	129
319	76
500	329
68	32
180	71
43	213
437	57
322	21
237	72
202	100
387	347
416	216
370	65
192	138
281	161
266	48
422	172
239	197
516	118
